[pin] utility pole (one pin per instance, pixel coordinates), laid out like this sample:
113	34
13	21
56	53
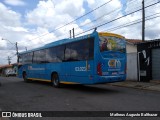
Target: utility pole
70	32
73	33
9	60
17	52
143	21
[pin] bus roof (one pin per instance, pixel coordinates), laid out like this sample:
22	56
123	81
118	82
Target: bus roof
110	34
64	41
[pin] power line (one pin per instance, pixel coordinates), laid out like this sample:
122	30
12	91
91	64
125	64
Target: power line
8	51
13	45
111	12
137	6
118	18
104	15
79	18
89	13
128	14
140	21
114	19
133	22
108	22
73	20
13	56
70	22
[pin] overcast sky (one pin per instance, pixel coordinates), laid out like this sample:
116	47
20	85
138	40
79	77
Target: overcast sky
33	23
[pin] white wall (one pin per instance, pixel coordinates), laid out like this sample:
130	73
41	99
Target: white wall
131	48
132	66
132	62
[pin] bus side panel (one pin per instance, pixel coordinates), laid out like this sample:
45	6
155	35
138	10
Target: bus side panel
20	71
77	71
37	70
81	72
64	73
61	68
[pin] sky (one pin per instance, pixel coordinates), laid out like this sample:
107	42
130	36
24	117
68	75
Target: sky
34	23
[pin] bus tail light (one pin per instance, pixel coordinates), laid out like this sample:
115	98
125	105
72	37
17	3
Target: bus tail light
99	69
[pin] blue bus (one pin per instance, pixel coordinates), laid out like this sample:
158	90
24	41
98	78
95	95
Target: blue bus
95	58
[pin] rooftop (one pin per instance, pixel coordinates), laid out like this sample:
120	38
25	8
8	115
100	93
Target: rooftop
6	66
134	41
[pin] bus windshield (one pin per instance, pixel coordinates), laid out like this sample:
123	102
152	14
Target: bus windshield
112	43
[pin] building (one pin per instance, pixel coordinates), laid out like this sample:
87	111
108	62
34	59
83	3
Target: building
132	64
148	53
5	68
143	60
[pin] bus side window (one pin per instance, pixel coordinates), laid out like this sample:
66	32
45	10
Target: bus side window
55	54
39	56
80	50
67	53
60	53
26	58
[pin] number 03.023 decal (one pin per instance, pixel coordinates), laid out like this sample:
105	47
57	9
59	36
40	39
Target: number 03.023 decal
80	68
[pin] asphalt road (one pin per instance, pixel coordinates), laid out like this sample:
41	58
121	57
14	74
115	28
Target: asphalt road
16	95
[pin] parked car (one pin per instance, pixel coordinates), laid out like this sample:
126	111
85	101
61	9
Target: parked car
10	73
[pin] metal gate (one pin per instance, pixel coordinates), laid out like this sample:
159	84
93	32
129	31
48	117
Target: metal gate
156	64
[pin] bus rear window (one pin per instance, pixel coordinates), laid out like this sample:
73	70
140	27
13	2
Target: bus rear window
108	43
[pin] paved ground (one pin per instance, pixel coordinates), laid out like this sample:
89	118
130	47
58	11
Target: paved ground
16	95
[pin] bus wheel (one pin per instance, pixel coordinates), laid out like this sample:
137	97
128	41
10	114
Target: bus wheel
55	80
25	77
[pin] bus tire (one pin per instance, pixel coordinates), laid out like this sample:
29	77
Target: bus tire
25	77
55	80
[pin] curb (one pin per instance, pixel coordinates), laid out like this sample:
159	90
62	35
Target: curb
152	87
